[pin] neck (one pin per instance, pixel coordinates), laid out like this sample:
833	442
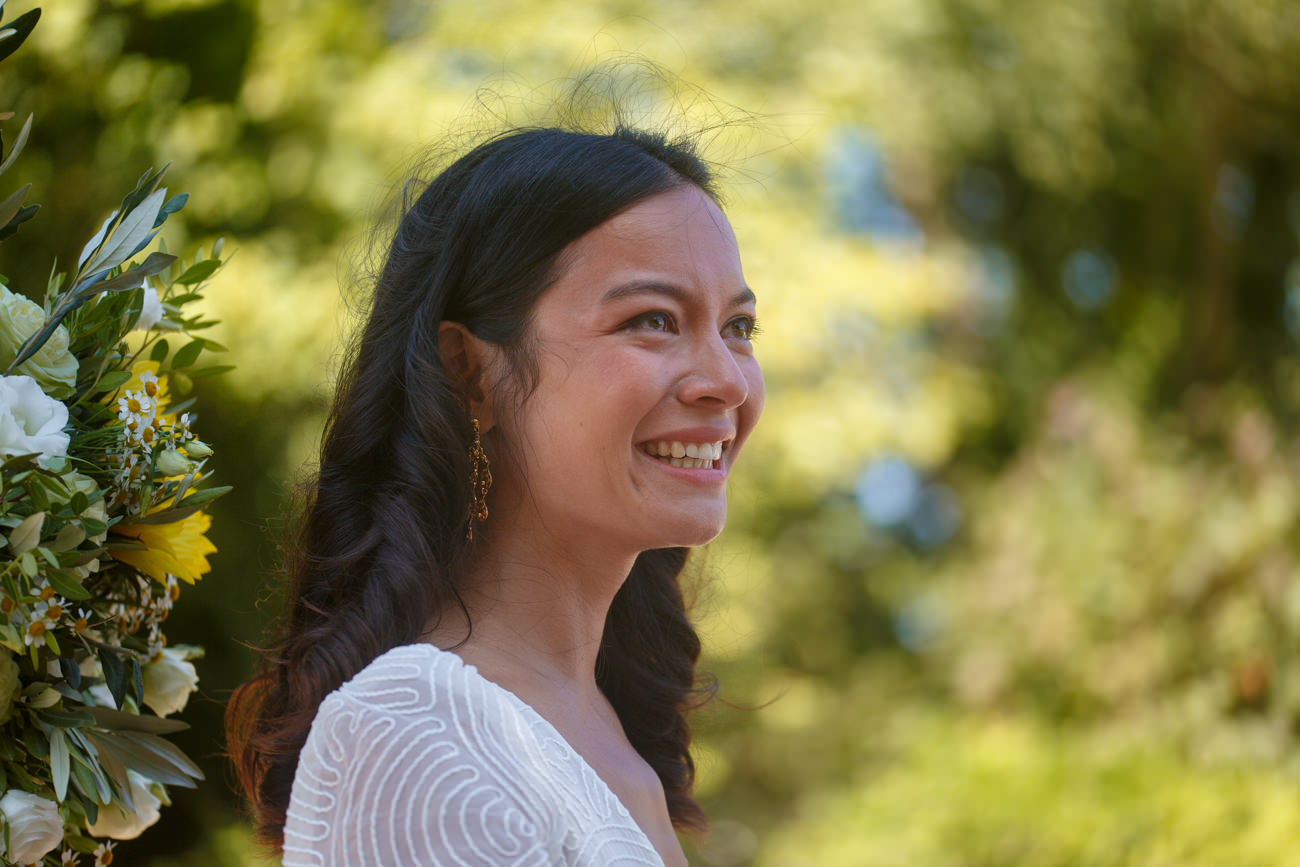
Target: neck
537	602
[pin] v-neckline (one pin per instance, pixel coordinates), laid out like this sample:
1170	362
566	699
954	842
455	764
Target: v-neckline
530	713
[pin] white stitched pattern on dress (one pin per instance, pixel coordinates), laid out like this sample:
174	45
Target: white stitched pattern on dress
420	760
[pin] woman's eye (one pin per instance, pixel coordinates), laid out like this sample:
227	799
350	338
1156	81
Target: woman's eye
655	321
743	327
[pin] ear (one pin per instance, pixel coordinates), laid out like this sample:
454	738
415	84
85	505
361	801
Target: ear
469	361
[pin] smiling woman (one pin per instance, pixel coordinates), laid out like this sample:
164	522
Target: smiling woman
486	657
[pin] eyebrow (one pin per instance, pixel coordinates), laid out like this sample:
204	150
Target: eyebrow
670	290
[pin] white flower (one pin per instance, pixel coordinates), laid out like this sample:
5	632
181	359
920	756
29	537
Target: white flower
30	420
104	853
53	366
34	825
135	405
121	824
152	311
44	618
168	681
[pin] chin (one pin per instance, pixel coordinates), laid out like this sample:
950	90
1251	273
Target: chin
689	533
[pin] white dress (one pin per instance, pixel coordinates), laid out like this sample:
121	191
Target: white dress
419	760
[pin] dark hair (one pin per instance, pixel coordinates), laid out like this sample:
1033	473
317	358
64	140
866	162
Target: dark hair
380	547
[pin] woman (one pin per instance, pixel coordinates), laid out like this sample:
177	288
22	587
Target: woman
487	658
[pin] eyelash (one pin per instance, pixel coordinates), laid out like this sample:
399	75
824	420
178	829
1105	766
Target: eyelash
751	324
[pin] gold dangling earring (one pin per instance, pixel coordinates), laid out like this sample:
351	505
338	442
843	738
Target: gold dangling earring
480	482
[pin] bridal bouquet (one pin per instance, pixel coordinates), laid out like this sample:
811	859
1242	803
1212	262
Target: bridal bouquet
103	483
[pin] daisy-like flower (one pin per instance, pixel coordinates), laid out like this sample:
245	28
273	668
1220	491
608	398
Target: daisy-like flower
162	605
81	618
40	624
180	431
149	384
55	606
135	406
68	857
104	853
155	639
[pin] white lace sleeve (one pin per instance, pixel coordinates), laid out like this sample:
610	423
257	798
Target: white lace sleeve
402	768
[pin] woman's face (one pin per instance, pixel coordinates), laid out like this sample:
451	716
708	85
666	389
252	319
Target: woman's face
644	352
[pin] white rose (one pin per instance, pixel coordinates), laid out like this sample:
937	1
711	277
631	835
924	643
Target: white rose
35	826
30	420
152	311
168	681
53	366
121	824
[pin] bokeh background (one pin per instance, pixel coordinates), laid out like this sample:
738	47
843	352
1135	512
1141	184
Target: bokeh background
1012	573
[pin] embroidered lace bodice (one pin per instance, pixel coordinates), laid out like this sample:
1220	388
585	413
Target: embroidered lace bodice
420	760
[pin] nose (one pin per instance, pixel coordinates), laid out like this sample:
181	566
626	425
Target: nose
715	377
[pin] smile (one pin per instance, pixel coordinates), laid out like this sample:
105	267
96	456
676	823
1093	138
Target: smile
693	456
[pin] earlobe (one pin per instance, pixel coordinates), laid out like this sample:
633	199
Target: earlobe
467	359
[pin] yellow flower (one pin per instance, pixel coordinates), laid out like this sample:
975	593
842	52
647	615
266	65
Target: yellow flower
177	547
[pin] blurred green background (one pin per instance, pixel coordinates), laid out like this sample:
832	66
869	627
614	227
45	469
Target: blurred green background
1011	575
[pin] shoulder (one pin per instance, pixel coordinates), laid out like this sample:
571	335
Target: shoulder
418	750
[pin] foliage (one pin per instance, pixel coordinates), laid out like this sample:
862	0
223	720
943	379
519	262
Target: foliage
103	486
1020	514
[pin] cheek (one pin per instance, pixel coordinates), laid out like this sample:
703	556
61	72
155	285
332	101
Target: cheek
752	408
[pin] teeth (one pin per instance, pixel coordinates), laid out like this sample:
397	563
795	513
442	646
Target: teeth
687	455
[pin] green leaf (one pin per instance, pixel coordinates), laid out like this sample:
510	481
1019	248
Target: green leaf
59	768
113	380
117	720
10	206
24	214
114	675
148	755
198	272
70	671
66	719
67	586
187	354
36	745
22	134
129	234
22	28
159	352
153	264
188	506
137	680
174	204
